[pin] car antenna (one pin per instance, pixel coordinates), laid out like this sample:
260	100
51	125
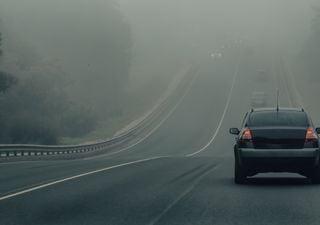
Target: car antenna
278	100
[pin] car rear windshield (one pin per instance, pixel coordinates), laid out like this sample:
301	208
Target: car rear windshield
282	118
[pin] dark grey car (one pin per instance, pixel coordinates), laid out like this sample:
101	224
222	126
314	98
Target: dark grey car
272	140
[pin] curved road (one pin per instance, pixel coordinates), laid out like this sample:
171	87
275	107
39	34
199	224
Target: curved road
181	174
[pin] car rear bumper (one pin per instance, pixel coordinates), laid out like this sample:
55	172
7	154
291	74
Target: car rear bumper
278	160
279	153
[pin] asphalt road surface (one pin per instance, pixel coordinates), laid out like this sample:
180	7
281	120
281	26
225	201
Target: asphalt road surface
181	174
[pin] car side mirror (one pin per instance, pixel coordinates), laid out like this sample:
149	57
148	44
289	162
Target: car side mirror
236	131
318	130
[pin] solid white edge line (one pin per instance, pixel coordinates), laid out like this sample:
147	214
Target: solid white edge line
75	177
223	115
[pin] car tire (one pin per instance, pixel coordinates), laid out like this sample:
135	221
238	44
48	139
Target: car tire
239	173
316	175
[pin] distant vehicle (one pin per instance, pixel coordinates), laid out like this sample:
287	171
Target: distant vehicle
216	55
258	99
272	140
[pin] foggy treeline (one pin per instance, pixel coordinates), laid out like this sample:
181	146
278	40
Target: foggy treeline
37	93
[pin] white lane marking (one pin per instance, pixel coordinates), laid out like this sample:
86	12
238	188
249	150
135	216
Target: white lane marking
183	194
156	127
223	114
75	177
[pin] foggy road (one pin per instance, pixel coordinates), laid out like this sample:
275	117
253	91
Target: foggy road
181	174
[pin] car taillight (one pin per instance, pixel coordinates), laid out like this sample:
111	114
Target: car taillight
246	136
311	135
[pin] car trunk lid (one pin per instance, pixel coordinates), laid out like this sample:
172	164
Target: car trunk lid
279	137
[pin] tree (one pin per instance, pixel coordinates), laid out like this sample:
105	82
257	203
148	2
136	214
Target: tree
6	79
96	52
36	110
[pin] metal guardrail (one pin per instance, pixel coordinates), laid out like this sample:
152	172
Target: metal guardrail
47	150
22	150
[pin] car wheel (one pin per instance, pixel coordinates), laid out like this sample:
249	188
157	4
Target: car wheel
239	173
316	176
